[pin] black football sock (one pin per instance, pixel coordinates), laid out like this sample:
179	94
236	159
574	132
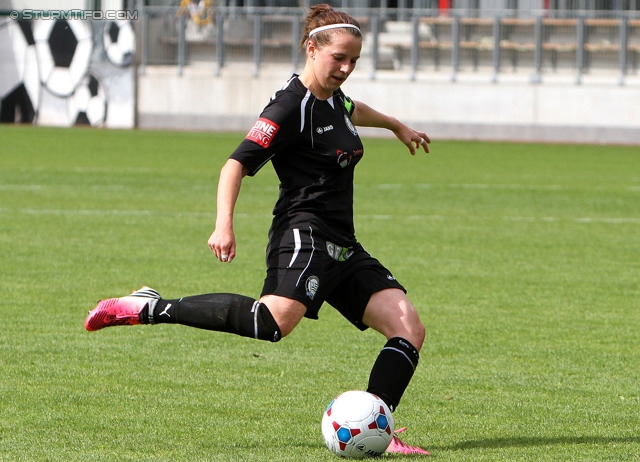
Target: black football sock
221	312
392	371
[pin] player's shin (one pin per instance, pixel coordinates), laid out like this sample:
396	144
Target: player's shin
393	370
222	312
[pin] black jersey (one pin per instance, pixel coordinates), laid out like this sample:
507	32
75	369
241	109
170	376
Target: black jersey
314	147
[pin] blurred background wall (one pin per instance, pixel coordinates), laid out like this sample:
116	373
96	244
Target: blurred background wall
533	70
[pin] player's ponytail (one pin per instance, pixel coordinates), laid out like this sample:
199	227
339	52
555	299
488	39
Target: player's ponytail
324	15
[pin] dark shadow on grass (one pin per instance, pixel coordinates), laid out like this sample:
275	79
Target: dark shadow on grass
527	441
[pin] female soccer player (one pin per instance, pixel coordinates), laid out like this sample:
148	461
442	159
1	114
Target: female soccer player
308	132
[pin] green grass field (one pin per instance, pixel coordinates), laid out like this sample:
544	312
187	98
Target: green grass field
523	259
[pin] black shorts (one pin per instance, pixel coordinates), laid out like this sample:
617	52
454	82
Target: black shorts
304	266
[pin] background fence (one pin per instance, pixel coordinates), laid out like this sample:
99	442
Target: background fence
416	40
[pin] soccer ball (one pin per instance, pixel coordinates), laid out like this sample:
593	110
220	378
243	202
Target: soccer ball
119	42
64	50
88	104
19	85
357	424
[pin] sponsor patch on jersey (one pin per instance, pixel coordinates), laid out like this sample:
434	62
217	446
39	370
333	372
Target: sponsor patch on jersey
345	158
263	132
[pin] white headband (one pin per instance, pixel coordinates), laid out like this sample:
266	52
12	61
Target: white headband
332	26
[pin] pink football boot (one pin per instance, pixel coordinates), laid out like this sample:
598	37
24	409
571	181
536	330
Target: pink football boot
398	446
123	311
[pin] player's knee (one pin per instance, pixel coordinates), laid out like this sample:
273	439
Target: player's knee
286	326
265	326
416	331
411	327
286	313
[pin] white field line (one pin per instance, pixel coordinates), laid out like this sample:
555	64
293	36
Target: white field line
97	212
208	215
384	186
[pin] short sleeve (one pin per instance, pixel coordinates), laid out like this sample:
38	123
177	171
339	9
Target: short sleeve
272	132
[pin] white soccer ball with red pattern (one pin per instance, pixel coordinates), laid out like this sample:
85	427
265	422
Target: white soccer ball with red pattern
357	424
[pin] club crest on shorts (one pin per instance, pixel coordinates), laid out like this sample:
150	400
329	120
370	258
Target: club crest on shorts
311	286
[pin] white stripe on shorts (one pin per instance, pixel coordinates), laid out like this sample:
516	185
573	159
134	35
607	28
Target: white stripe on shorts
313	251
298	245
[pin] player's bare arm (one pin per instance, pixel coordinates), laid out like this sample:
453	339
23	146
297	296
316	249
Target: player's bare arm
365	116
223	242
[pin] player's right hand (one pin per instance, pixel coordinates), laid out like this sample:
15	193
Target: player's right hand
223	245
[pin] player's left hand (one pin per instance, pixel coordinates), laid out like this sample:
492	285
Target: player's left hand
413	139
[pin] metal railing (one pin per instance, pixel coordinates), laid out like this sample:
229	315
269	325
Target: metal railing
536	43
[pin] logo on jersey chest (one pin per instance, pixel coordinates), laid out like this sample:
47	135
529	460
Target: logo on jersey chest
321	130
263	132
347	121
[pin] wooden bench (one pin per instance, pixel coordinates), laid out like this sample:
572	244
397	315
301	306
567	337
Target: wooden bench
559	37
634	42
556	42
233	42
602	45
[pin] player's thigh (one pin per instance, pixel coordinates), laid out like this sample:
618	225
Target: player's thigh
391	313
286	311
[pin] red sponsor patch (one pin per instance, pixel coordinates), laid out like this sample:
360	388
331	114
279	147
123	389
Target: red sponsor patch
263	132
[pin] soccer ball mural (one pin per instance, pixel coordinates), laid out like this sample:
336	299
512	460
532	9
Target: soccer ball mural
119	42
19	85
88	104
357	424
66	72
64	52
